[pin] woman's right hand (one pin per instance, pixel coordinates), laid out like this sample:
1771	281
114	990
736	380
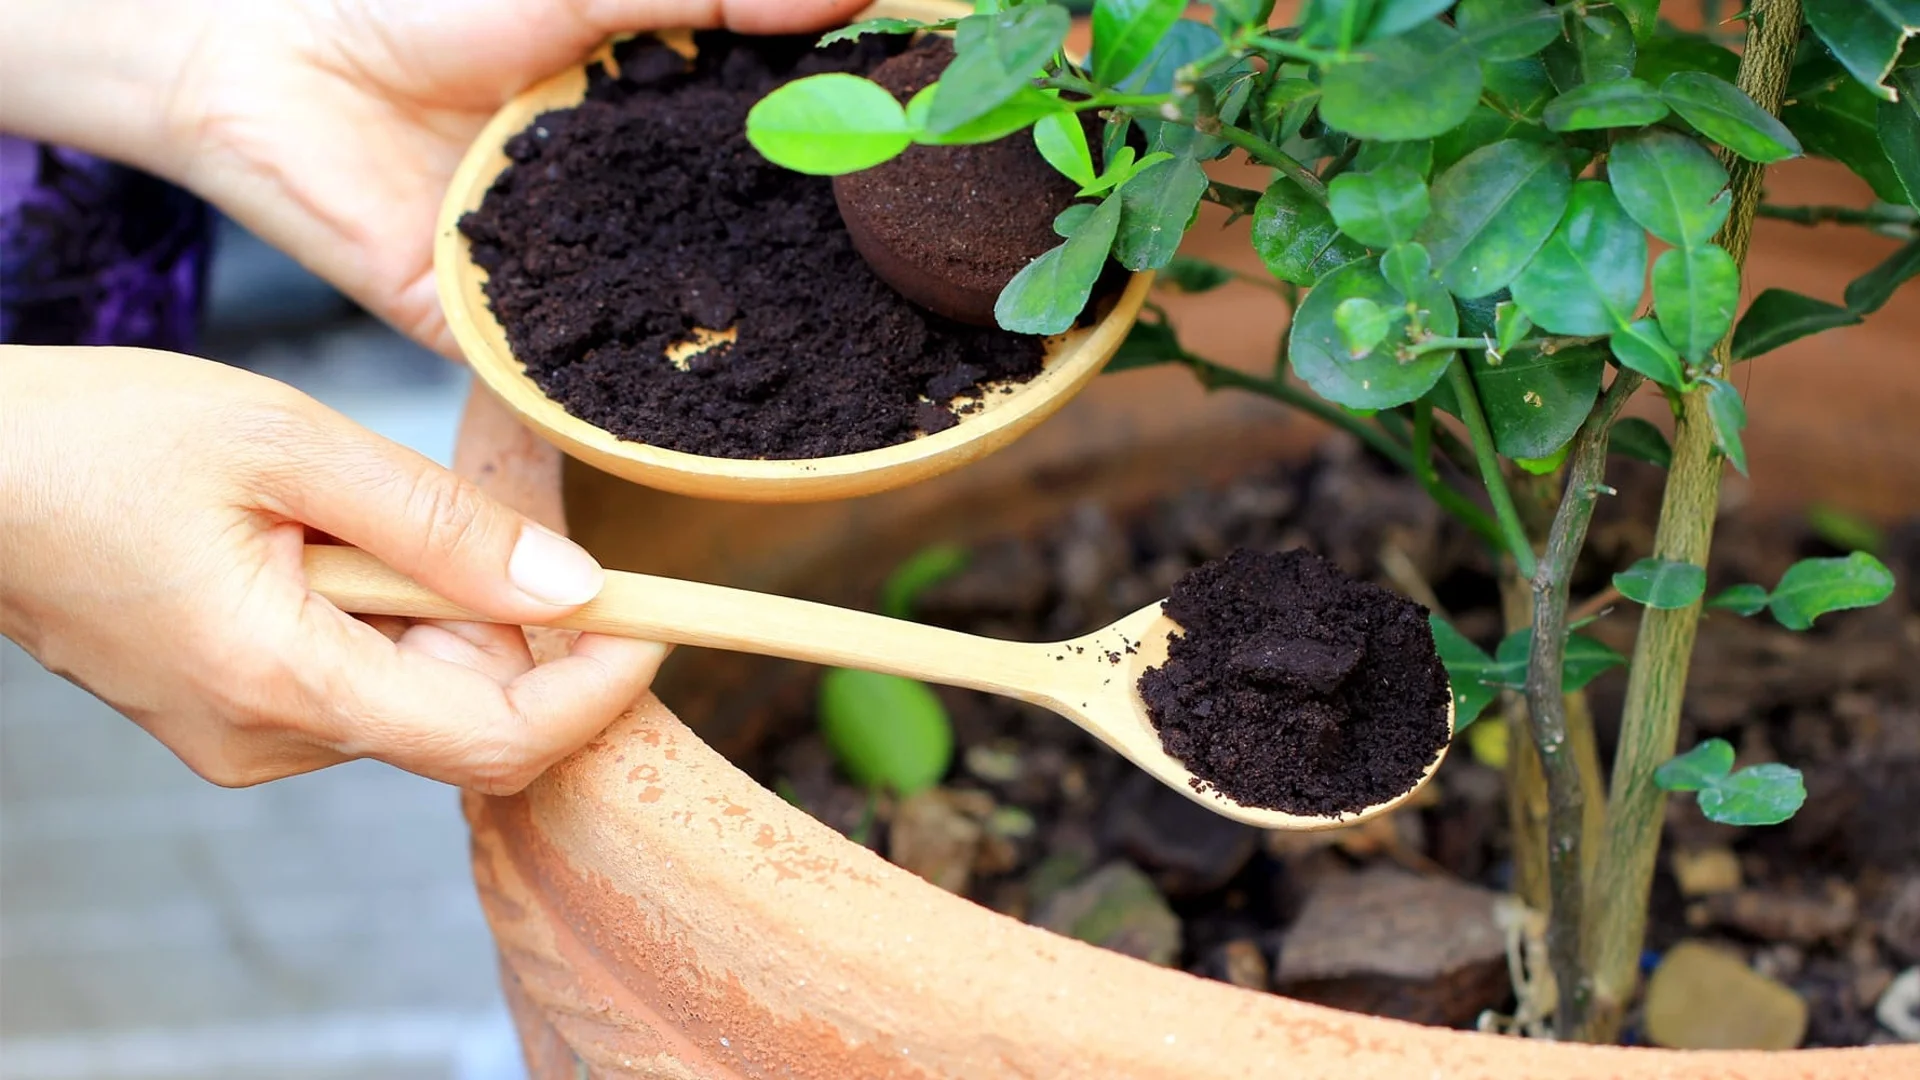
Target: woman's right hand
155	508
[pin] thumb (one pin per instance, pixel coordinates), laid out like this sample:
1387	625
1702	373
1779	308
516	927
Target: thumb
745	16
425	522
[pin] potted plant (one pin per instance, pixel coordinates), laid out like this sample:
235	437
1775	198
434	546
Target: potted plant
1403	319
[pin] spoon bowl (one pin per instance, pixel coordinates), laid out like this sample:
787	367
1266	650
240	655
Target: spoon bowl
1001	415
1091	680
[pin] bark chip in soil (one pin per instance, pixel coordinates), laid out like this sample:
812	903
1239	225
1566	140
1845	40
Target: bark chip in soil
1294	687
628	224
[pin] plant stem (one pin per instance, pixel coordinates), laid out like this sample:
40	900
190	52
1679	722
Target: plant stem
1293	51
1481	437
1567	791
1843	215
1623	875
1266	153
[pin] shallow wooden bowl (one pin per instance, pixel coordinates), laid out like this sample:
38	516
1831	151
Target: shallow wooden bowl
1003	416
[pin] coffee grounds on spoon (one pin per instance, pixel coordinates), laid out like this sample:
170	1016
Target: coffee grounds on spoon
1295	687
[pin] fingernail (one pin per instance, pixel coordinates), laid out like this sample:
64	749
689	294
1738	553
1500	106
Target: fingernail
553	569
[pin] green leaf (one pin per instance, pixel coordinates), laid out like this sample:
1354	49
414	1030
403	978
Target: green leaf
1780	316
1812	587
1184	42
1598	48
1642	15
1835	117
1380	208
1414	86
1507	29
1543	466
1695	292
1588	277
885	732
1468	671
1363	325
880	26
1148	343
1415	156
922	571
1899	123
1049	294
1728	415
1870	291
1727	116
1392	17
1156	206
1846	531
1621	103
1063	142
1639	439
1189	275
1586	660
1510	325
1288	105
1125	33
1535	401
1865	35
1663	54
826	125
1026	107
1492	211
1697	768
1408	268
1742	600
1670	184
1756	795
997	55
1296	237
1662	583
1066	221
1337	24
1379	380
1521	87
1643	348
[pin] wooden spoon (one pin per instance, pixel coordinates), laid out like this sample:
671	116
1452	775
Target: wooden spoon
1089	680
1001	416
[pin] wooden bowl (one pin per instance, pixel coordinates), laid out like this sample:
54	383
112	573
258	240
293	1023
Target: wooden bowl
1004	414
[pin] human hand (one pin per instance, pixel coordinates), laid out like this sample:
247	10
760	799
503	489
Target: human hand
329	127
155	508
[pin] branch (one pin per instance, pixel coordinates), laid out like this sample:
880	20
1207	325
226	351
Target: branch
1872	216
1468	399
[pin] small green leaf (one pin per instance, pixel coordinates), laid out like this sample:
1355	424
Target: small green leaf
1812	587
1543	466
1336	24
1729	117
1697	768
1742	600
1663	54
1621	103
886	732
1413	86
1729	417
1362	325
1150	342
1846	531
1598	48
1536	400
1379	380
1507	29
997	55
1643	348
1289	104
1050	292
880	26
1407	268
1392	17
1586	660
1063	142
1835	117
1642	15
1066	221
1899	123
1125	33
826	125
922	571
1468	671
1184	42
1639	439
1156	205
1588	277
1780	316
1510	325
1380	208
1662	583
1415	155
1189	275
1296	237
1670	184
1492	211
1865	35
1870	292
1026	107
1756	795
1695	292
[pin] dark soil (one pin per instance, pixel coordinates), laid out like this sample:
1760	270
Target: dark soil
1295	687
1828	904
628	223
949	226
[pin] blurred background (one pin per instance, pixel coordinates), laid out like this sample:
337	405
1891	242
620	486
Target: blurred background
155	926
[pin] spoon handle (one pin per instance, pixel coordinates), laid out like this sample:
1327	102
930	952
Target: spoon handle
714	616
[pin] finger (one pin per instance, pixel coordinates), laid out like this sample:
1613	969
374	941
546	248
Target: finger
746	16
390	626
498	652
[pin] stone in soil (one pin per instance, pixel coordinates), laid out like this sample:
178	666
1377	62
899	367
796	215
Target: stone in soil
1900	926
1187	848
1705	871
1240	962
1116	908
1702	997
1898	1009
934	836
1803	918
627	224
1295	687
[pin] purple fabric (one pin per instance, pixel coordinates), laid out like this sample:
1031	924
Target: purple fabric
94	253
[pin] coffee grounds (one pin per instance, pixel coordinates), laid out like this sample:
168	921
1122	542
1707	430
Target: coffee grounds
928	223
1295	687
628	222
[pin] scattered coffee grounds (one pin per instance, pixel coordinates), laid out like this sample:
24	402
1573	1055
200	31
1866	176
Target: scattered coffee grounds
626	224
1295	687
949	226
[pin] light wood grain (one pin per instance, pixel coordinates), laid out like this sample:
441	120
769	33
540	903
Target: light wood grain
1089	680
1003	416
